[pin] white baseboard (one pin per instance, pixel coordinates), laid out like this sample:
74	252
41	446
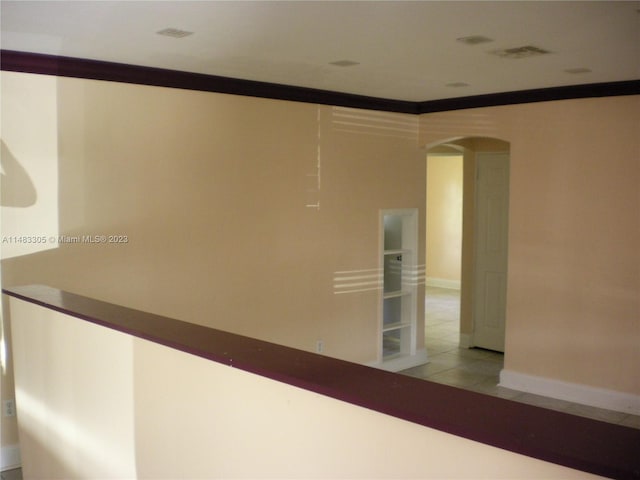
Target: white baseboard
442	283
10	457
403	362
572	392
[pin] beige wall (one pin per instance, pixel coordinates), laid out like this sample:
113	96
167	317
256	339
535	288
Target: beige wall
8	425
212	193
75	392
215	195
573	302
126	423
444	219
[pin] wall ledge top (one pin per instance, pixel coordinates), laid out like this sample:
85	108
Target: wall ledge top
576	442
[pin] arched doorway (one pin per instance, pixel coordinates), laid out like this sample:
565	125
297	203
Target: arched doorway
484	239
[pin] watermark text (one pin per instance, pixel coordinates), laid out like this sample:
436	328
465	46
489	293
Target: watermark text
62	239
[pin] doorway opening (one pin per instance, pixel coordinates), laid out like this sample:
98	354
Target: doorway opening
443	254
466	244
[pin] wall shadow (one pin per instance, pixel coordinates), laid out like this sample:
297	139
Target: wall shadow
16	187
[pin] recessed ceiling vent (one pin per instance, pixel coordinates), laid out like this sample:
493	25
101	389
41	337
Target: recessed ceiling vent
174	33
474	39
344	63
521	52
578	70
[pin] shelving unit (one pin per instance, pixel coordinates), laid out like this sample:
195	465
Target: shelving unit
399	230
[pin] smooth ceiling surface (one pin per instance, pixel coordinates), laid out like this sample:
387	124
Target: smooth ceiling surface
405	50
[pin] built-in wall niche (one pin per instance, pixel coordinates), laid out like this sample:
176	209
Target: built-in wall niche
398	322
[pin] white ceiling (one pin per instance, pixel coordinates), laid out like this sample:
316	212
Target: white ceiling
405	50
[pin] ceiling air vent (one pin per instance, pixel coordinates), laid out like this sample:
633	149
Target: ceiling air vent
174	33
521	52
344	63
578	70
474	39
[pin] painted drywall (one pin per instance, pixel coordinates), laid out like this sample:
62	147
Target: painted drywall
9	445
228	211
573	302
29	216
75	392
444	220
210	200
201	419
217	197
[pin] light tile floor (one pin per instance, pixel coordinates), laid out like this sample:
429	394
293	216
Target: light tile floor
479	370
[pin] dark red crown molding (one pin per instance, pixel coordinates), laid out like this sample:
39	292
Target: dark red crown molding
117	72
609	89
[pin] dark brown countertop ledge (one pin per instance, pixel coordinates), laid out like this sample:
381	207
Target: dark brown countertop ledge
577	442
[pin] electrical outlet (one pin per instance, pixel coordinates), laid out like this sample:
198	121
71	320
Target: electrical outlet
8	408
319	346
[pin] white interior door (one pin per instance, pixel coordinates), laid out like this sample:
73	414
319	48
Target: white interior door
492	216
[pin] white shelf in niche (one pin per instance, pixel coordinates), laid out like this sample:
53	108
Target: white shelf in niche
395	326
397	293
398	319
397	251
